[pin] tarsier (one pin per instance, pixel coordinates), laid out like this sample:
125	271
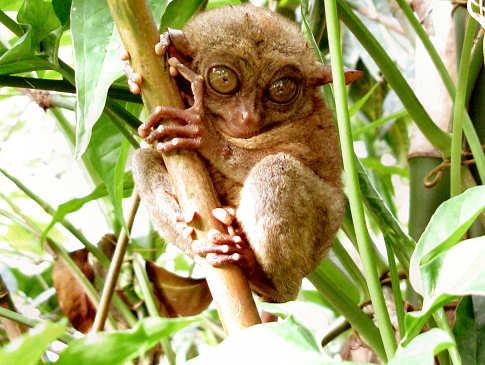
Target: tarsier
267	139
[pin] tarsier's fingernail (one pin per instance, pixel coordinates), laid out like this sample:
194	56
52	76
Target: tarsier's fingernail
225	248
187	232
236	256
159	49
136	77
237	239
173	71
134	88
222	215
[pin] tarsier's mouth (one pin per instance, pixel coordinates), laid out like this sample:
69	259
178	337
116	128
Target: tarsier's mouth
229	129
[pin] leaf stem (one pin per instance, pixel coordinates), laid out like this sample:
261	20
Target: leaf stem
11	24
355	200
114	270
396	289
115	91
17	317
459	108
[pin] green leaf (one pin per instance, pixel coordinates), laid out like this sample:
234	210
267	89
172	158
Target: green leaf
40	15
445	229
62	8
96	52
358	105
28	348
456	272
21	58
423	348
104	151
377	166
42	25
178	12
217	3
97	57
10	5
118	347
469	330
20	238
293	344
119	173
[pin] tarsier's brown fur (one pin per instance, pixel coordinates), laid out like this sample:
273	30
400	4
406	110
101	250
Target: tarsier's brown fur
284	179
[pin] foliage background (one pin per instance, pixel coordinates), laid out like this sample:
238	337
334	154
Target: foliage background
38	149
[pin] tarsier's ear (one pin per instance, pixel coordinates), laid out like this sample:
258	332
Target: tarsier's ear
323	75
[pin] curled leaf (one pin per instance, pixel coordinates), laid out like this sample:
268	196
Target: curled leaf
178	296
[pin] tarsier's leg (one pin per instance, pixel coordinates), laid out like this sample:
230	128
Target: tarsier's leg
290	217
153	185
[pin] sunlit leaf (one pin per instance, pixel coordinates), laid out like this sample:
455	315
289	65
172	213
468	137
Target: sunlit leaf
28	349
445	229
97	47
117	347
422	349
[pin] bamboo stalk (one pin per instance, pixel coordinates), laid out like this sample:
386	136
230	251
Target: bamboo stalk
190	179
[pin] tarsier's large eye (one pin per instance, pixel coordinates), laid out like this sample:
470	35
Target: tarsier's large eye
223	80
283	90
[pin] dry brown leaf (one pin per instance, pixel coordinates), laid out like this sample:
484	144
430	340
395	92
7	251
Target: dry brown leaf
178	296
74	303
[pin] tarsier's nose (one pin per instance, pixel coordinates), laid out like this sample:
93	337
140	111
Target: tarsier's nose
249	116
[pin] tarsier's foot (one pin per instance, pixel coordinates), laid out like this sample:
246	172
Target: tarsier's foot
229	248
134	78
171	137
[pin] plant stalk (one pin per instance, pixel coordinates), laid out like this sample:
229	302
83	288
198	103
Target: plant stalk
354	194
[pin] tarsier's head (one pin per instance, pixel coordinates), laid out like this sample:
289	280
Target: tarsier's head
258	68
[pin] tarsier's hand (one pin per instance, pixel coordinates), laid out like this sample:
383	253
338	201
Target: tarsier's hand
171	137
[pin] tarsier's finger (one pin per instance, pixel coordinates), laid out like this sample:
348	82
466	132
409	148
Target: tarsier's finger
219	238
162	46
134	79
223	215
221	260
179	143
219	250
172	130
